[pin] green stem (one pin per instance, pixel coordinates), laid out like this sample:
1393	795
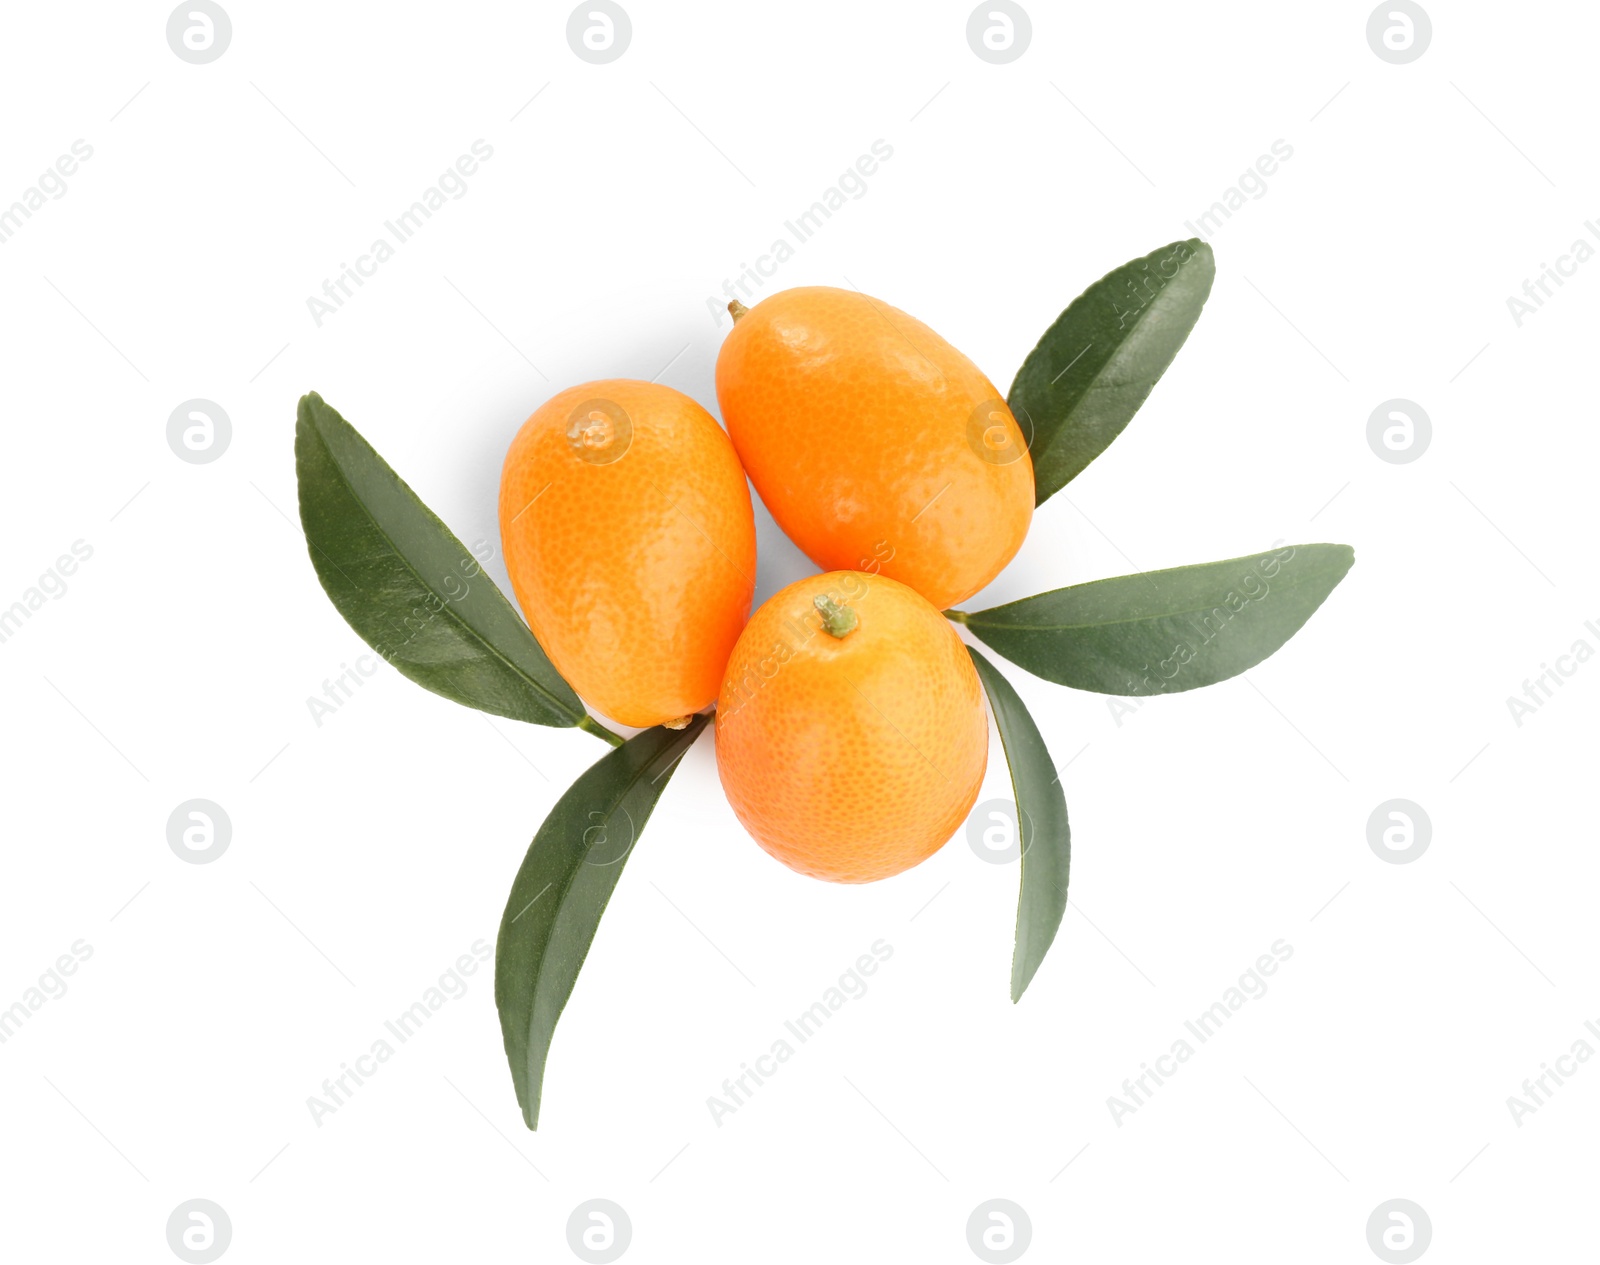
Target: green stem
956	617
837	621
600	731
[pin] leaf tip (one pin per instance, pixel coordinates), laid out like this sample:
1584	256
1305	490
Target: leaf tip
308	416
1021	976
1346	555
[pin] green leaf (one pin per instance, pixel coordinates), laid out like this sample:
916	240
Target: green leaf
1094	367
1161	632
413	592
563	887
1041	826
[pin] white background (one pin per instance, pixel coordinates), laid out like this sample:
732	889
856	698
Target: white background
371	851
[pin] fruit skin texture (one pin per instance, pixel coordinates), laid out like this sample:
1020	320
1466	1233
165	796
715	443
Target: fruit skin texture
852	758
864	433
631	546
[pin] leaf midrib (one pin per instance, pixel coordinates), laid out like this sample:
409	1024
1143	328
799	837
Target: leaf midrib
978	621
566	887
1094	383
474	635
999	703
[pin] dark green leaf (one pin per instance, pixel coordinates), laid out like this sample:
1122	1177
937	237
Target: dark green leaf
1161	632
563	887
414	592
1094	367
1041	826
